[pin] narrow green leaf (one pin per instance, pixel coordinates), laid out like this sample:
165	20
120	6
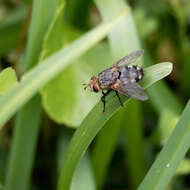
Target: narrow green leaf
54	38
7	79
171	155
108	137
23	149
155	71
83	177
135	144
167	122
43	73
86	133
42	14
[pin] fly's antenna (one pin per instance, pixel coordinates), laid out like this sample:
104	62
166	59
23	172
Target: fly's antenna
85	86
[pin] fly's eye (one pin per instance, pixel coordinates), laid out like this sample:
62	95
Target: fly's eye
95	88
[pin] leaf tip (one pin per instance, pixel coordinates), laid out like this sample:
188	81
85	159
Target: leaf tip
169	67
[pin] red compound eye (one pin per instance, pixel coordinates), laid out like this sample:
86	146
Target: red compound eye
95	88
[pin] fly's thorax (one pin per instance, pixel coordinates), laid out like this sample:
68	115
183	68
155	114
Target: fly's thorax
132	73
108	77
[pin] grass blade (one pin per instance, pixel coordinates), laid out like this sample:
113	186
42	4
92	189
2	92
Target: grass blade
83	177
135	143
44	72
24	141
107	137
86	133
170	156
40	21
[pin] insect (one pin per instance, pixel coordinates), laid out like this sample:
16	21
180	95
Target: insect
121	78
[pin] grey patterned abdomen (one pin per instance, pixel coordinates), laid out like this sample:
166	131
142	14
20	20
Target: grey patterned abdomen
132	73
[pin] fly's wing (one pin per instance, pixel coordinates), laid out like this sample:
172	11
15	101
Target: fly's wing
133	90
132	57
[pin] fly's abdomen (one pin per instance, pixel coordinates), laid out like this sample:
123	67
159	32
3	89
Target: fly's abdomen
108	77
131	72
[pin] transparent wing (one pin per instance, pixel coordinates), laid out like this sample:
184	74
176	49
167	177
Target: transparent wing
133	90
132	57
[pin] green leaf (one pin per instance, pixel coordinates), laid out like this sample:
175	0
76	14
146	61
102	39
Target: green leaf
92	124
154	72
171	155
83	177
43	73
135	143
101	159
7	80
54	38
42	13
24	142
167	122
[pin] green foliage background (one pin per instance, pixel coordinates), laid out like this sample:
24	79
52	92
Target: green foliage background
53	134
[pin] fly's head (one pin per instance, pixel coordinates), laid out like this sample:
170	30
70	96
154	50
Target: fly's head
93	84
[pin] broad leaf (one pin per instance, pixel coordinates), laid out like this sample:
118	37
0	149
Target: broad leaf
7	79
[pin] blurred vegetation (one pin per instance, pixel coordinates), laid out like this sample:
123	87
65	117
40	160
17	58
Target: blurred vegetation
48	50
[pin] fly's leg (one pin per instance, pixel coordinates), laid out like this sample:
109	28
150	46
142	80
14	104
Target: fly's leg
117	94
103	99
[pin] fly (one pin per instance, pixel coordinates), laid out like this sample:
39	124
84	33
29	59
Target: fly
121	78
